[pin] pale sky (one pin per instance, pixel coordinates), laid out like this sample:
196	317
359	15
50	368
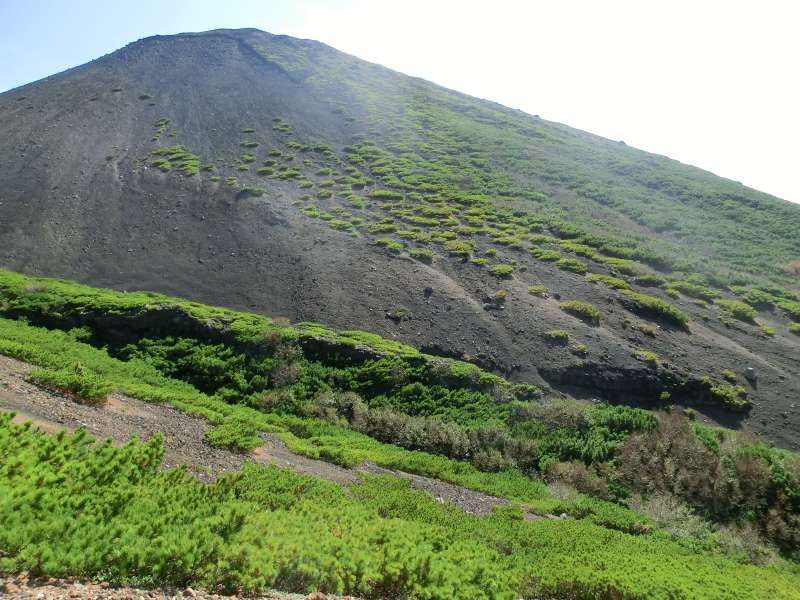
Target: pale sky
710	83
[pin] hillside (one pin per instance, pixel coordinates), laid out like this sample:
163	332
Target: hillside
396	474
281	176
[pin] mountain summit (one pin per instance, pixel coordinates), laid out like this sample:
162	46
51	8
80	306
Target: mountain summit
282	176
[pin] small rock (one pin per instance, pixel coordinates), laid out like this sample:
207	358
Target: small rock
750	374
11	588
316	596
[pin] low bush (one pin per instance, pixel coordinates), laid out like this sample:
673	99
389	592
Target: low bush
82	384
738	309
391	245
557	336
609	280
733	397
573	265
646	356
234	434
767	330
546	255
251	192
459	247
501	271
583	310
422	255
650	305
693	290
539	289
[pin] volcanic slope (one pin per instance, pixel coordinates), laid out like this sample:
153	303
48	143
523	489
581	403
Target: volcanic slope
282	176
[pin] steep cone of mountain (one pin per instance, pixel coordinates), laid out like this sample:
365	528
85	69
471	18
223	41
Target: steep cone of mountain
284	177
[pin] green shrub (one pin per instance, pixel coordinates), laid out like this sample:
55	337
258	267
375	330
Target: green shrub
738	309
733	397
794	328
694	290
612	282
501	271
767	330
459	247
234	434
791	308
646	356
341	225
85	386
479	261
642	303
557	336
176	157
572	265
579	349
539	289
582	310
391	245
545	255
252	192
421	254
729	375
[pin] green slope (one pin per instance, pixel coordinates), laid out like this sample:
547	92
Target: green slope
439	141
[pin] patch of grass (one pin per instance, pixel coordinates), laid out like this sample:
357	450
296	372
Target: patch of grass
731	396
85	386
341	225
572	265
738	310
546	255
646	356
693	290
459	247
656	307
501	271
539	289
391	245
609	280
583	310
252	192
557	336
422	255
176	157
234	434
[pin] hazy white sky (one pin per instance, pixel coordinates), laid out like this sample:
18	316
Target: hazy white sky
710	83
714	84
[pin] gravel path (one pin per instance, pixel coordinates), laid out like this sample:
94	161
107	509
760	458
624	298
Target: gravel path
21	587
184	438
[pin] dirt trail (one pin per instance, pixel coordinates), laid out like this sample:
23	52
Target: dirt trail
20	587
184	438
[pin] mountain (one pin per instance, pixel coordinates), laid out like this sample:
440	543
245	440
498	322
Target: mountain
281	176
